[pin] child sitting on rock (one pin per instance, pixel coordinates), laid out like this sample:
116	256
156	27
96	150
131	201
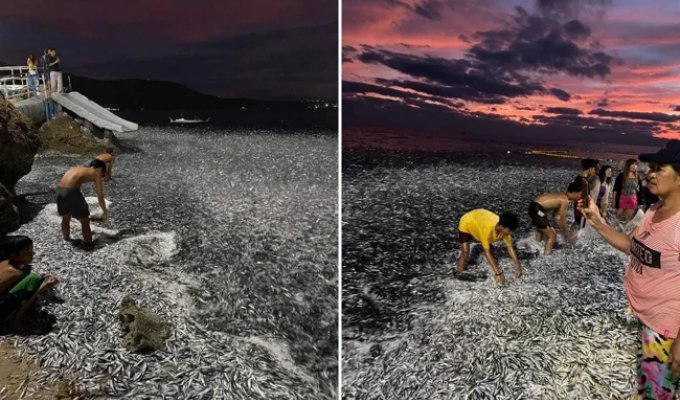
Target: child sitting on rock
18	285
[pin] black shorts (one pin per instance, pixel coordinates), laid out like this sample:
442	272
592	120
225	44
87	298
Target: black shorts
71	201
539	218
464	237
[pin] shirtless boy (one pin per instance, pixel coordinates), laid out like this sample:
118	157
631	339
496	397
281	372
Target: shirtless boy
557	203
109	159
70	200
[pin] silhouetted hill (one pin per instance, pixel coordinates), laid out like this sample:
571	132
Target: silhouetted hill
149	94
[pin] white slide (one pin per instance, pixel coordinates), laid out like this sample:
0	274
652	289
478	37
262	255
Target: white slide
93	112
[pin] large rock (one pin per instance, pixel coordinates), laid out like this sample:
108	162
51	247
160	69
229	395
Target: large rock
65	135
145	330
18	144
9	213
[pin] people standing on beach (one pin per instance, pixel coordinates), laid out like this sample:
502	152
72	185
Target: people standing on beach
557	203
604	194
486	227
587	175
70	200
652	277
54	62
32	64
109	159
627	191
19	286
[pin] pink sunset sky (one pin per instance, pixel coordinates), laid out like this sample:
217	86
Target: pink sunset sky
608	69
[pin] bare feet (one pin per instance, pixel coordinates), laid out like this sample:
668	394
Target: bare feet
500	278
518	272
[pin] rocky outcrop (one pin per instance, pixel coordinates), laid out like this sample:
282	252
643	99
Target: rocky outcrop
145	330
18	144
9	213
66	135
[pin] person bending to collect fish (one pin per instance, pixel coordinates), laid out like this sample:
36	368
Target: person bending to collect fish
18	285
652	279
70	200
557	203
486	228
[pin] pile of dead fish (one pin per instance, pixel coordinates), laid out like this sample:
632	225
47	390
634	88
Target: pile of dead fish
559	332
226	247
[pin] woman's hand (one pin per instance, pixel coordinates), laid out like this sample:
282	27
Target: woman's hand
591	212
674	358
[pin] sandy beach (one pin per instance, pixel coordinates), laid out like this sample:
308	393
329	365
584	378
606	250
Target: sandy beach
410	330
230	235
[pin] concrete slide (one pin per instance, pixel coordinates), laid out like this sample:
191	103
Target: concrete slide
93	112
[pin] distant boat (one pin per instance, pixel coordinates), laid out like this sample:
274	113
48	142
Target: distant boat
188	121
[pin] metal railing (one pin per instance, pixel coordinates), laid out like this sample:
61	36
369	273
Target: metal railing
14	83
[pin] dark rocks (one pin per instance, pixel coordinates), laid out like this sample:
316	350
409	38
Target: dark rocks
9	213
145	330
65	135
18	144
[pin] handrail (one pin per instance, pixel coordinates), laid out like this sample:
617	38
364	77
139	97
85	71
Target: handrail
24	91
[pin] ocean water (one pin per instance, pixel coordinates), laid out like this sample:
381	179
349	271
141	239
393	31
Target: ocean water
469	144
229	234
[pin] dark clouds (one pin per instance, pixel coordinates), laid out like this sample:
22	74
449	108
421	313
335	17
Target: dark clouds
529	54
541	45
503	63
561	128
563	110
646	116
560	94
430	9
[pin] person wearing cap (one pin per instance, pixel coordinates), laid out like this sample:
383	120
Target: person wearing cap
652	279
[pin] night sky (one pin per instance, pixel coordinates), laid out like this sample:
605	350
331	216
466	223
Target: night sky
563	69
262	49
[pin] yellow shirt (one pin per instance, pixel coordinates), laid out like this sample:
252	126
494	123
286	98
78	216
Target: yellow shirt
481	224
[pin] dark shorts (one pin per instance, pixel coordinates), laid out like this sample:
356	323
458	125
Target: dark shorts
464	237
539	218
23	290
71	201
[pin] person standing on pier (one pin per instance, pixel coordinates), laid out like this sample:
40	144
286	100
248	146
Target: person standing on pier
54	62
45	69
32	64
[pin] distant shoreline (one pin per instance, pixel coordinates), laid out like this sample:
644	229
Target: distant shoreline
382	139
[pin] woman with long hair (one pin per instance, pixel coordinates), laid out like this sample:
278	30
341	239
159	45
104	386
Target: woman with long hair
652	278
605	190
626	191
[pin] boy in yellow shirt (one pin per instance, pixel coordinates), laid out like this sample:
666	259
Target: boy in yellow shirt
486	228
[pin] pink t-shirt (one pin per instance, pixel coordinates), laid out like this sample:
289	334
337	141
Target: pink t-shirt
653	275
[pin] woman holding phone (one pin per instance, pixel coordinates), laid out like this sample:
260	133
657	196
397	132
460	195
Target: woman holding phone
652	279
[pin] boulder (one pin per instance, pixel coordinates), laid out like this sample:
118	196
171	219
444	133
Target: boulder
19	142
66	135
145	331
9	213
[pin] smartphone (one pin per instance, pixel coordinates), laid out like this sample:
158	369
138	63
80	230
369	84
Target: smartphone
585	194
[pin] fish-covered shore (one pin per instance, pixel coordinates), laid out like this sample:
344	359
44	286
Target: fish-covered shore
229	235
412	330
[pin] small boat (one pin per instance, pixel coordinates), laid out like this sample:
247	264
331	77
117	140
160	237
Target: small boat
188	121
